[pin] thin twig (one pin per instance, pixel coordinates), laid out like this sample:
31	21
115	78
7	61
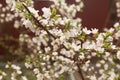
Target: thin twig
39	22
80	72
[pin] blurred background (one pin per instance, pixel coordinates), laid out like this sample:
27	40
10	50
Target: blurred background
96	14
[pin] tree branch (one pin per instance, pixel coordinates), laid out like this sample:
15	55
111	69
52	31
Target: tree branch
38	22
80	72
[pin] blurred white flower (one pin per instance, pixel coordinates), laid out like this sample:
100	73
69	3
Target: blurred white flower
27	23
44	22
24	78
11	3
117	35
118	55
28	65
1	77
16	24
116	24
46	12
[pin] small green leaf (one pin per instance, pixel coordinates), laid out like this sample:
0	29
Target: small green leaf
19	6
108	34
61	78
28	59
106	45
106	72
68	26
1	72
54	12
81	36
56	17
83	50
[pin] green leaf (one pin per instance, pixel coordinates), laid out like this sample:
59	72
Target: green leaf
19	6
83	50
81	37
1	72
56	17
108	34
28	59
106	72
106	45
61	78
68	26
54	12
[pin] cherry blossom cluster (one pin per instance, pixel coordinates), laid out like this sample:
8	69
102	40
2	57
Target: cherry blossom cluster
7	15
4	17
16	73
60	44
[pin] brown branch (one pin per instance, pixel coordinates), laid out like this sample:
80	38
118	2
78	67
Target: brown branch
38	23
80	72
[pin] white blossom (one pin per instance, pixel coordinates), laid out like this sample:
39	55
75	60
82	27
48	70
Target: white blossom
94	31
28	65
24	78
118	55
85	30
46	12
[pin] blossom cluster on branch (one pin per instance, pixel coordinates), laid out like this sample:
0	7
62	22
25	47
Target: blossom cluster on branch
60	44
